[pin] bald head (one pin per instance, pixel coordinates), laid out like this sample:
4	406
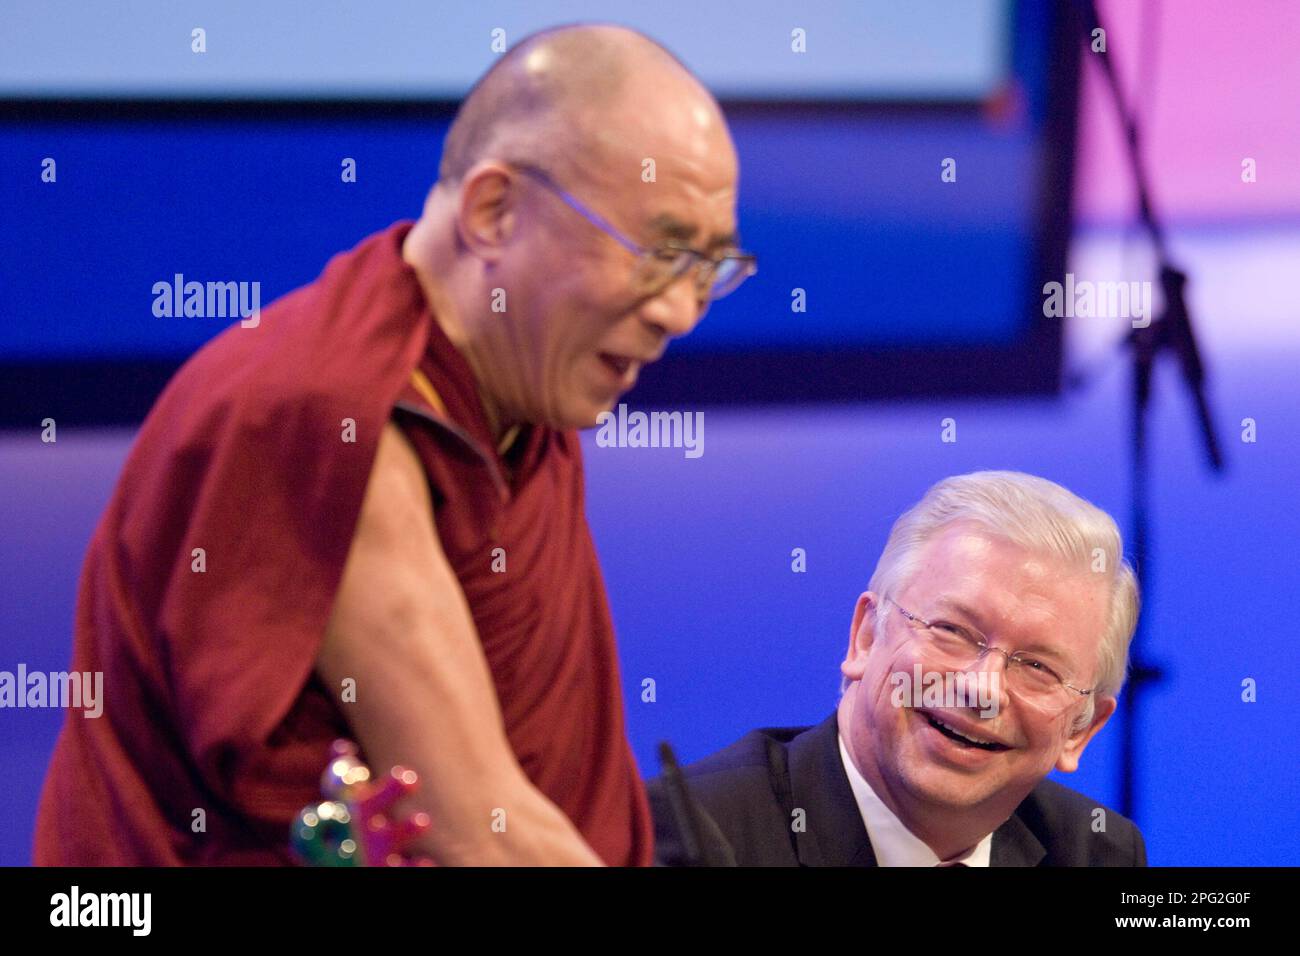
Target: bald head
553	98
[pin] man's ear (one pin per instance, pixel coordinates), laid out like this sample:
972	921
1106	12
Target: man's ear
487	210
1068	762
861	635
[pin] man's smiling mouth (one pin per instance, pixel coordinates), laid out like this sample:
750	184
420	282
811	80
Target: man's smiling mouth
961	739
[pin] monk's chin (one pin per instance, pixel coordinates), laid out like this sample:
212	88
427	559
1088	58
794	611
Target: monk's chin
589	415
574	421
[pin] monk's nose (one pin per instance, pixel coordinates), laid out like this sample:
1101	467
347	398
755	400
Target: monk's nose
676	310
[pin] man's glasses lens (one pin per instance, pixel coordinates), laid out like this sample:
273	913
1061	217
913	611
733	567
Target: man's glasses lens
713	279
729	274
1029	679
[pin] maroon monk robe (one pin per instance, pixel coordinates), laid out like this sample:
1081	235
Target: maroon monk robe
211	700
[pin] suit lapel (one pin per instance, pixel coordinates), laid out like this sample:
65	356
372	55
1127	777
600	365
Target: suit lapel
834	834
1014	844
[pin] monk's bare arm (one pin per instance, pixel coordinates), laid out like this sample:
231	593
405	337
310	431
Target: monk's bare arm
402	629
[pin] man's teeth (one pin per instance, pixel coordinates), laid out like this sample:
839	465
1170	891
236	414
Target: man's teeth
974	740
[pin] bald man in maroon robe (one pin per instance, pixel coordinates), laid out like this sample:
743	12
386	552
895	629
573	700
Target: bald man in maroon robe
363	516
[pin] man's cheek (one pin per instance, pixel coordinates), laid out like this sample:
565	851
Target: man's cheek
1041	751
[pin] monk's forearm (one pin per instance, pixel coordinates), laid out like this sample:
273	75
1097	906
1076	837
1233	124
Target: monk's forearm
526	830
443	723
437	714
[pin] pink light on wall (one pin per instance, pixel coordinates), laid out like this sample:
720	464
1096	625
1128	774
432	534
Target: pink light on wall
1224	85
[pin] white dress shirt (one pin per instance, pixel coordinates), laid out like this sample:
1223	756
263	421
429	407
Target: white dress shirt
893	843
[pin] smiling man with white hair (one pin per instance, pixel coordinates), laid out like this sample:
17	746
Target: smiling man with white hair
997	575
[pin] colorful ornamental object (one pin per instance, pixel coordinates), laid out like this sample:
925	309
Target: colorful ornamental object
354	824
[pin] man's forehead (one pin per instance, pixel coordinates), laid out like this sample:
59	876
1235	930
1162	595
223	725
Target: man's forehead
667	225
1033	633
690	192
962	578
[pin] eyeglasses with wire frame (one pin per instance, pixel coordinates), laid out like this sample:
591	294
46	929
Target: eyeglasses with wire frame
959	647
660	266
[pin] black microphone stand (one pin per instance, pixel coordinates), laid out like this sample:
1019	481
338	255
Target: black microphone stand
1171	331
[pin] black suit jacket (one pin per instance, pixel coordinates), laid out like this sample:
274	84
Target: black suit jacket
745	795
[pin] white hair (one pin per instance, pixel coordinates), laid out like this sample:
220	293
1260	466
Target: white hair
1042	517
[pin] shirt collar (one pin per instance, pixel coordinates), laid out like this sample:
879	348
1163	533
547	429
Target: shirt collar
892	842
